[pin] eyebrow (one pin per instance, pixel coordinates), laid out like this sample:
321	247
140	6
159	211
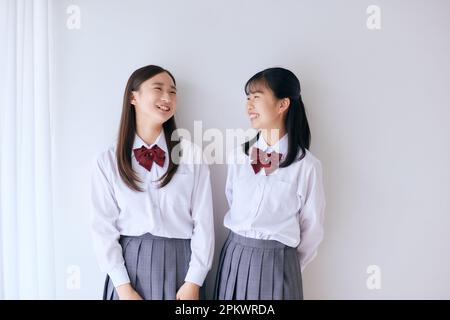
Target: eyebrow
162	84
256	91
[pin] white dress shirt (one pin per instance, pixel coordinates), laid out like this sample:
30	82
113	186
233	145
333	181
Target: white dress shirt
287	205
182	209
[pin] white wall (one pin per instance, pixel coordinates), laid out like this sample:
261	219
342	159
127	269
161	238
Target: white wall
376	101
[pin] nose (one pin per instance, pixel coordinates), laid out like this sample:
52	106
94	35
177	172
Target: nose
249	105
165	97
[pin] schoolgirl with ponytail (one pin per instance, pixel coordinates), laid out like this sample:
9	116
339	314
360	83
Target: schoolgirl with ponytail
276	196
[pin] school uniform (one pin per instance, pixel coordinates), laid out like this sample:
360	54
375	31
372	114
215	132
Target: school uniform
275	221
159	238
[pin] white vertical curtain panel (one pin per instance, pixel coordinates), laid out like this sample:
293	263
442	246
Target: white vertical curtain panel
27	264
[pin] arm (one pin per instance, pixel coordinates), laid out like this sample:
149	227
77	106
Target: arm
105	235
229	183
202	240
312	216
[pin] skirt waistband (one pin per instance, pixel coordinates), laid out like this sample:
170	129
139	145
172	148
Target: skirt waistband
149	236
256	243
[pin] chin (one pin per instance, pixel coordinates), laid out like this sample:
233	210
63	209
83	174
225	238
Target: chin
255	124
162	119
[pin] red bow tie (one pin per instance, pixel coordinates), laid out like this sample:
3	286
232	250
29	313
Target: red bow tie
146	156
268	161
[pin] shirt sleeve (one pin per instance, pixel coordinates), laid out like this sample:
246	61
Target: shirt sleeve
229	183
202	240
312	216
104	214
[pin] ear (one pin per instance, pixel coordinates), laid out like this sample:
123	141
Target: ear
284	104
133	98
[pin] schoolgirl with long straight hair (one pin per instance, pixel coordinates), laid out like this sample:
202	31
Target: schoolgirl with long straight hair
152	217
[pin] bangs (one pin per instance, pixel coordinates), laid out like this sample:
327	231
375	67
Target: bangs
257	83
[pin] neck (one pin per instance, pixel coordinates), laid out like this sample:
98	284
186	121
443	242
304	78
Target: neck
147	131
272	136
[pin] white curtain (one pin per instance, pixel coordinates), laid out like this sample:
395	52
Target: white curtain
27	264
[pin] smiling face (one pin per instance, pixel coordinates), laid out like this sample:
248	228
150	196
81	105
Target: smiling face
156	99
264	109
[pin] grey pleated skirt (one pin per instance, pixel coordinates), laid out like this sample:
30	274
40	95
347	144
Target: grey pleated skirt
156	266
253	269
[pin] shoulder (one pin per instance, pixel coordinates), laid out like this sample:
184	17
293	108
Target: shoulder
236	155
310	166
191	152
106	159
310	160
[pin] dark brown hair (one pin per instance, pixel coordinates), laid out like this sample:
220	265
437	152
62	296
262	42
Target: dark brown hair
127	131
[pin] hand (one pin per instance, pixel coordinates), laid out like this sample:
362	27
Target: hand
126	292
188	291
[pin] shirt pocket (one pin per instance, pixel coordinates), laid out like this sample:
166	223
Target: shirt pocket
282	199
177	194
246	195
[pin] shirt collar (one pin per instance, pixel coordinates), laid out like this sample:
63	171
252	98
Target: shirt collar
280	147
160	141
